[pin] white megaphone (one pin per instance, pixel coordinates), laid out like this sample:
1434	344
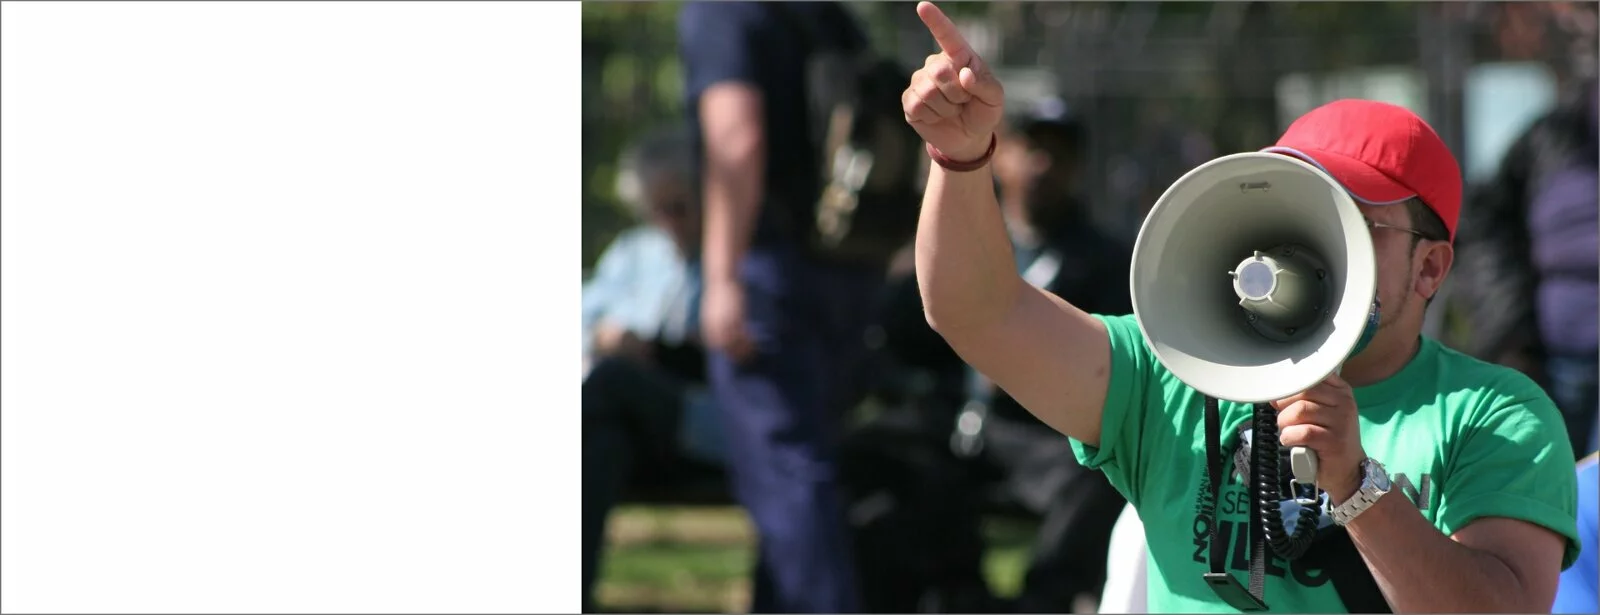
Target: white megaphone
1254	279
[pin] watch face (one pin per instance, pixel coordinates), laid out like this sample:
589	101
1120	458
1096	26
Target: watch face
1378	476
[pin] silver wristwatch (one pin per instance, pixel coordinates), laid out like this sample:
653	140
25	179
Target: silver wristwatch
1374	483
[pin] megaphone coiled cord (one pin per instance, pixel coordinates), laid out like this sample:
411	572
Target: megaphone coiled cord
1265	453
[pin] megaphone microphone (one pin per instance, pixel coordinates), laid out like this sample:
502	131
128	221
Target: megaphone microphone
1302	300
1281	291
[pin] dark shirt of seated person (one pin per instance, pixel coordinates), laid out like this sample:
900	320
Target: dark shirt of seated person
645	407
902	482
1497	522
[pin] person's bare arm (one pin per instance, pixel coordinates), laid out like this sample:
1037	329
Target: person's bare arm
731	115
735	164
612	339
1049	356
1494	564
1507	465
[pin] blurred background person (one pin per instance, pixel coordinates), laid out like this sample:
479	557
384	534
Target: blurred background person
1038	165
1530	261
646	410
783	328
952	446
916	509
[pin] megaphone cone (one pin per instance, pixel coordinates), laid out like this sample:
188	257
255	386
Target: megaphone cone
1253	277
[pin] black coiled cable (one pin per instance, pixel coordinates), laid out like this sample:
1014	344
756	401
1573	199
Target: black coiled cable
1266	453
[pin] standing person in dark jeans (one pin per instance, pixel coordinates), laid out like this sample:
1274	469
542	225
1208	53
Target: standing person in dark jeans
1058	248
783	330
1530	278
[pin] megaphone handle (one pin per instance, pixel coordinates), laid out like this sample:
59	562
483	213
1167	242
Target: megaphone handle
1303	461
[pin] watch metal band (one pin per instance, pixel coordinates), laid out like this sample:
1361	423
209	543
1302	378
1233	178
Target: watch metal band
1364	497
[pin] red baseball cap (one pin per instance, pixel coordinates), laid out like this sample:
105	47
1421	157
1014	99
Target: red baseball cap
1382	154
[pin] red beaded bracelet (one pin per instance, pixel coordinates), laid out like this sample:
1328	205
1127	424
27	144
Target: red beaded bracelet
960	166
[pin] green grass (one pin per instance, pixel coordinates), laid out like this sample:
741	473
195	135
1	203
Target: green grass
1006	559
697	559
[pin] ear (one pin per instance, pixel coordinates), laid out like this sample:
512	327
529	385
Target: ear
1430	264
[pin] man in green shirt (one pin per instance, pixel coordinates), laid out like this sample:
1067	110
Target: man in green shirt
1451	476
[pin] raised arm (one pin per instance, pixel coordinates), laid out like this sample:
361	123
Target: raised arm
1048	355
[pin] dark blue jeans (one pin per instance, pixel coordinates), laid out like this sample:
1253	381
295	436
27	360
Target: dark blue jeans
1574	384
781	412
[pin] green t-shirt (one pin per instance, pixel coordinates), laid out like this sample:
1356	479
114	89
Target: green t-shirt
1461	438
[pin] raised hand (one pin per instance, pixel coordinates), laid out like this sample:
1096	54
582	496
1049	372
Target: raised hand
954	102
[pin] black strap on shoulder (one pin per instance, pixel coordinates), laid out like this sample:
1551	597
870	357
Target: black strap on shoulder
1221	581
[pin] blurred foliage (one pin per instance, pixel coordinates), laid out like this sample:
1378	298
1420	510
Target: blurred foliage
632	82
632	77
1137	68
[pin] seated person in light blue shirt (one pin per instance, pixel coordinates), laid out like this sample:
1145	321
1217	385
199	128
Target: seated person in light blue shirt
1577	593
645	404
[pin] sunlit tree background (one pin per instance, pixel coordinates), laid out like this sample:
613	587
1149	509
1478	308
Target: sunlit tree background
1156	79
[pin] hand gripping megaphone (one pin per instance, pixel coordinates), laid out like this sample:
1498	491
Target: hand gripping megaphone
1253	279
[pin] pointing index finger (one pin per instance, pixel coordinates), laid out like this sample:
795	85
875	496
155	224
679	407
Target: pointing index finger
945	33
